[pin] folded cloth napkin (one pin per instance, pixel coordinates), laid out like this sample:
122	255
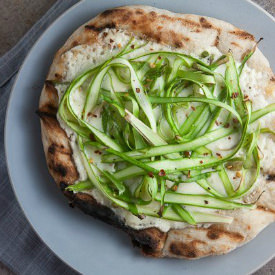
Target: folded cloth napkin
20	248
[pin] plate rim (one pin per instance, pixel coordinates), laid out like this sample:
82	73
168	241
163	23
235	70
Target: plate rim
11	96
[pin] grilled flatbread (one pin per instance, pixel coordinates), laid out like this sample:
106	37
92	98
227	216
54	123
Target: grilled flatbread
191	34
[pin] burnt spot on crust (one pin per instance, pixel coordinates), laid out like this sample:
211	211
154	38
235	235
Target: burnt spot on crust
243	34
63	185
265	209
150	240
99	29
107	13
217	41
53	148
43	114
139	11
215	232
270	177
235	44
205	24
187	249
75	43
59	169
58	76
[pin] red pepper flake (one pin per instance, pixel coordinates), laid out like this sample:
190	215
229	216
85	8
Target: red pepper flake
151	49
138	90
119	45
175	188
234	178
216	122
235	120
132	46
94	115
187	154
111	40
159	57
89	114
205	154
162	173
193	108
226	125
238	174
141	216
105	34
235	95
206	202
201	161
229	138
92	137
219	155
246	98
189	174
98	152
150	174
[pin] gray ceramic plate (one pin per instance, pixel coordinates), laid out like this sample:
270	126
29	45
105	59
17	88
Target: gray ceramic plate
84	243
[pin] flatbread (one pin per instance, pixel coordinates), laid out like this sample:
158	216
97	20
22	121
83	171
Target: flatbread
192	33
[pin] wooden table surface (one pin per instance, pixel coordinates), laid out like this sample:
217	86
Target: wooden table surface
27	12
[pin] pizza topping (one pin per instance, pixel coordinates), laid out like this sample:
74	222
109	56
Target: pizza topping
155	147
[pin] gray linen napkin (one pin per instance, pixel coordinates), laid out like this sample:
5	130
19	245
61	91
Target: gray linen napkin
20	248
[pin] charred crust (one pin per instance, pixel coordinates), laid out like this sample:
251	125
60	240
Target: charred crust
265	209
270	177
217	41
55	148
51	149
49	84
63	185
99	29
205	24
242	34
187	249
43	115
215	232
235	44
59	169
58	76
150	240
107	13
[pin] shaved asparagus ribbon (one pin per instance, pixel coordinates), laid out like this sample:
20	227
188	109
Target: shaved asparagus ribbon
159	152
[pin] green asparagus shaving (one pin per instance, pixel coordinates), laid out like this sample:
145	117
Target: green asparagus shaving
184	214
80	186
262	112
232	80
117	183
154	151
205	201
267	130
